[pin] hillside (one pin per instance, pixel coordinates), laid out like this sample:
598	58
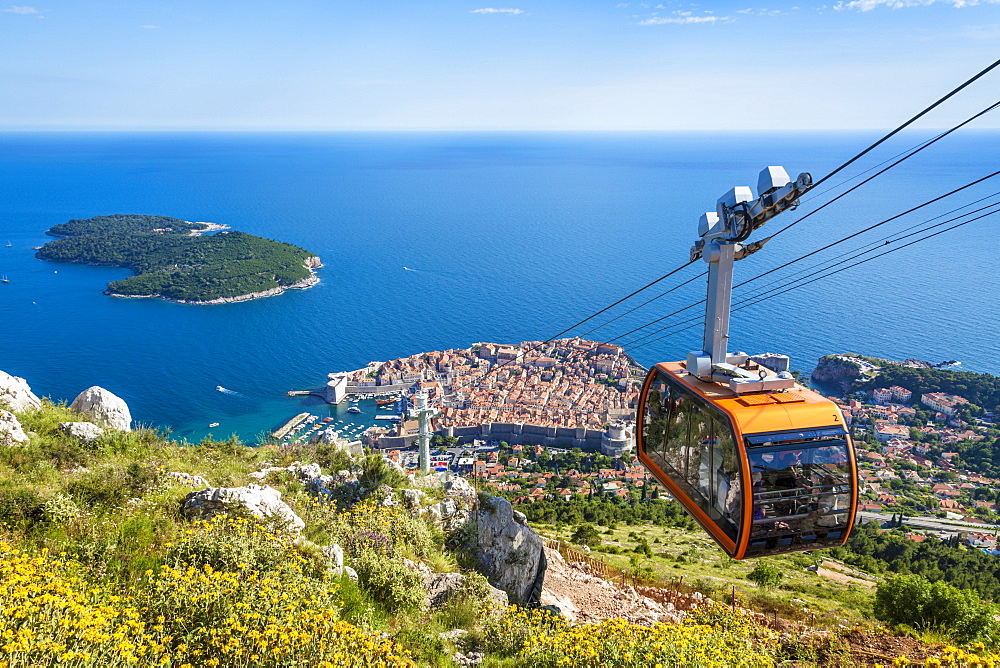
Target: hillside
173	260
981	389
121	546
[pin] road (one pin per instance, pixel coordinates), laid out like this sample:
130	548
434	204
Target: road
931	523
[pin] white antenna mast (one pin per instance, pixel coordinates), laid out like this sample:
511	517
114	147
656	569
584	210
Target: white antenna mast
423	413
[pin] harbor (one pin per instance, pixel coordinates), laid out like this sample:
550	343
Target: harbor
346	421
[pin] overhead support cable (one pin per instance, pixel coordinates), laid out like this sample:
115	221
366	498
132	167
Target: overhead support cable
753	298
810	254
648	301
925	111
886	240
893	250
871	227
813	280
881	171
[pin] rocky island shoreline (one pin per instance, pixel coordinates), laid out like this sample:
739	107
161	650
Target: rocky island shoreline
180	261
299	285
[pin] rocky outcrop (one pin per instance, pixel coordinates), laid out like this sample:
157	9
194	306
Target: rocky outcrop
455	510
107	407
440	587
85	432
298	285
304	472
836	371
188	479
16	395
258	500
11	432
412	498
509	552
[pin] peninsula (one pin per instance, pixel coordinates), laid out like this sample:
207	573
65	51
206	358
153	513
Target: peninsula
177	261
570	392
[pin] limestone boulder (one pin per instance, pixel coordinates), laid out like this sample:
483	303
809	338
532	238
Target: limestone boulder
86	432
442	586
412	498
567	609
259	500
335	557
107	407
510	553
188	479
460	487
11	432
304	472
16	395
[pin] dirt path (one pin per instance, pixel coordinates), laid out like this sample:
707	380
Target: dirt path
581	595
843	574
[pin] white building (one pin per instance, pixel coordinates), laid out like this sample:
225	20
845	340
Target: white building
773	361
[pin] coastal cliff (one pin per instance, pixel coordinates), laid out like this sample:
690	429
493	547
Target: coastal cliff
837	370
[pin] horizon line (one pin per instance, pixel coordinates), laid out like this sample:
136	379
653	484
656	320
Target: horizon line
465	130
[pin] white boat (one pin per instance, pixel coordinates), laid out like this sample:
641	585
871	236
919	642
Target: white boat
220	388
4	279
353	409
214	424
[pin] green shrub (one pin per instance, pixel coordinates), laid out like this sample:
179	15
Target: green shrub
60	508
915	601
113	486
424	645
332	457
586	534
228	543
376	471
765	575
21	508
389	582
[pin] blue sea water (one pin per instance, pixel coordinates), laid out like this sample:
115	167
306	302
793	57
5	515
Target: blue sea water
506	237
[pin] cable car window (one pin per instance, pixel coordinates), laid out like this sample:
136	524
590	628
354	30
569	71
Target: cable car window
801	490
693	446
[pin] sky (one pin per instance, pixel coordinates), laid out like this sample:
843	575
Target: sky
462	65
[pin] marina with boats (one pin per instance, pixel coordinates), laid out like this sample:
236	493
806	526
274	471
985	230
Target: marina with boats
348	424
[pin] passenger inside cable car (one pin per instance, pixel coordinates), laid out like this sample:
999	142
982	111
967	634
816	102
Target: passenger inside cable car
799	494
801	491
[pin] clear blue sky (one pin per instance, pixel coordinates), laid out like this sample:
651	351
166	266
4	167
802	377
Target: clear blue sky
467	65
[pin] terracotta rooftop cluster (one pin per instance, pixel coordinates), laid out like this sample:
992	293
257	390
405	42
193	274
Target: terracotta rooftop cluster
565	383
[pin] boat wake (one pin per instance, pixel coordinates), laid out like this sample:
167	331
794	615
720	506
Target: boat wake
228	391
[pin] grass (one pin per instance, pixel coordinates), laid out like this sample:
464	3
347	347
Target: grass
695	558
110	507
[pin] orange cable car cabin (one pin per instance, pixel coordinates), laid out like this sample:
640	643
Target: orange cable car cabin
763	473
765	465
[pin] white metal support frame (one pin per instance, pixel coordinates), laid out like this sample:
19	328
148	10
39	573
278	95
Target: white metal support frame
722	232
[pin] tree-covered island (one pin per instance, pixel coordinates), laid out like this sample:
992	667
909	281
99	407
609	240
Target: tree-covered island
176	260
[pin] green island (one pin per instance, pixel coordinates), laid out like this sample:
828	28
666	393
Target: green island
177	261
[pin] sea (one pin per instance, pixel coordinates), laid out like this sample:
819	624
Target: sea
440	240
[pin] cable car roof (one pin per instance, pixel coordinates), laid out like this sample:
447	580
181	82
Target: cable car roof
798	409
